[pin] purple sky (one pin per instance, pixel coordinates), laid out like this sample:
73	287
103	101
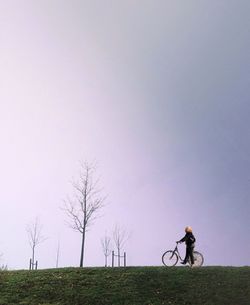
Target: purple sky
158	93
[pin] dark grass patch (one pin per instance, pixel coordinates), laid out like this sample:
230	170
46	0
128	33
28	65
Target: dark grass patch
127	286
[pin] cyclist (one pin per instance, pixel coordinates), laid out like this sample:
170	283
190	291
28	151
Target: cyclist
189	239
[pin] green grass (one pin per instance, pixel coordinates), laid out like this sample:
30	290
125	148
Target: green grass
127	286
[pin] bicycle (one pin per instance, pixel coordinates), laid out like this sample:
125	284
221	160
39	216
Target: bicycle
171	257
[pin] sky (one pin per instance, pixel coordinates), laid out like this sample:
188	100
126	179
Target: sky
157	94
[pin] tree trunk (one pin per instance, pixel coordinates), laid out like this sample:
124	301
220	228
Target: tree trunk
119	257
33	257
82	248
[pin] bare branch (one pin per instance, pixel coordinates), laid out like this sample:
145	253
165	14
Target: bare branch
34	231
106	245
120	237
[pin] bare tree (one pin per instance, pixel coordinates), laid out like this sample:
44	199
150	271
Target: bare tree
120	237
83	208
35	237
106	247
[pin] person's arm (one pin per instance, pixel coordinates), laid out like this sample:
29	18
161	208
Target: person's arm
182	240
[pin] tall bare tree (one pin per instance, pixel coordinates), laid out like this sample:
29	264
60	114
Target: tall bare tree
83	207
34	231
120	237
106	248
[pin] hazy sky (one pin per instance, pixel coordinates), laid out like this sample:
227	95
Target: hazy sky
157	92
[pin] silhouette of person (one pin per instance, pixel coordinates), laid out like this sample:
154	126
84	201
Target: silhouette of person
189	239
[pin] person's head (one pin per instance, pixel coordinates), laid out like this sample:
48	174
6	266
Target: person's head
188	230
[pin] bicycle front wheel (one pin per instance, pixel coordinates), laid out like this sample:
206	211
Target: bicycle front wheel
198	259
169	258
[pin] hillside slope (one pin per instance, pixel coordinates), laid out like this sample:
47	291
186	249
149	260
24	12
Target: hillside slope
127	286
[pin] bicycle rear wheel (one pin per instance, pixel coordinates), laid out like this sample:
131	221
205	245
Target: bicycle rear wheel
169	258
198	259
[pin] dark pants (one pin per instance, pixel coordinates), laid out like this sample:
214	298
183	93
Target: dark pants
189	254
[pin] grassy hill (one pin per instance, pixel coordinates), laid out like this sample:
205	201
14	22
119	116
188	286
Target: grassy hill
127	286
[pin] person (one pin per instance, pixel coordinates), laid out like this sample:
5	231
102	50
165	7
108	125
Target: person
189	239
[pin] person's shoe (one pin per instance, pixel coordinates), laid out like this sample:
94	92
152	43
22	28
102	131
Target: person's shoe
183	263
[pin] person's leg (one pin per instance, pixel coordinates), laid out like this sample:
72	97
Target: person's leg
187	256
192	255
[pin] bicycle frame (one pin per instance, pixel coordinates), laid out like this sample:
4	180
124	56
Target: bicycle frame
176	250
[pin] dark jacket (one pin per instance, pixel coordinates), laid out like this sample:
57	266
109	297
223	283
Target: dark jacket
189	239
